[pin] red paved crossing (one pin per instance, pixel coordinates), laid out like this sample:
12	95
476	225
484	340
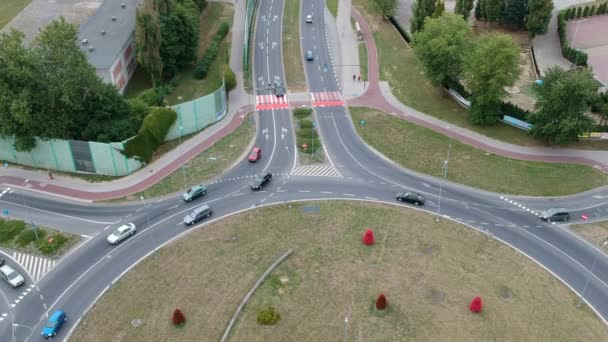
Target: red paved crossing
267	102
327	99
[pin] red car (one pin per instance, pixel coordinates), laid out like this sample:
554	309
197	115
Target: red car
255	154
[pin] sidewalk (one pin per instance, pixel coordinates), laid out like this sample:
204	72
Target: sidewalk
239	104
379	96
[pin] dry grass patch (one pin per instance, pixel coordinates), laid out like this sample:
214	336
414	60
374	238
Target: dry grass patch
596	233
428	270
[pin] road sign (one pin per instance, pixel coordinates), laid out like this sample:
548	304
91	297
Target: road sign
362	122
584	217
5	212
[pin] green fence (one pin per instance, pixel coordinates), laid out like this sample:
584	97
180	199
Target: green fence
106	158
248	23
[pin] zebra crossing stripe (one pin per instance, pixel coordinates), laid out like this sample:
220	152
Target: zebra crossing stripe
36	266
316	170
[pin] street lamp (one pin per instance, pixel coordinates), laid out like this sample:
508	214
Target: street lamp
582	297
444	174
143	200
578	22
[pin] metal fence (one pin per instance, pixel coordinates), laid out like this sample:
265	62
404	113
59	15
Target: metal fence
106	158
248	23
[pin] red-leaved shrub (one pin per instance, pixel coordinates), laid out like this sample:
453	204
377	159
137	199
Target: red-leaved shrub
381	302
476	304
178	317
368	237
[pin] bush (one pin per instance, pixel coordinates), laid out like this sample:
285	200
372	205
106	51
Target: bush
568	14
268	316
579	12
47	248
593	10
305	123
507	108
302	112
573	55
9	229
311	143
201	4
152	133
586	11
151	97
305	133
229	78
202	66
29	235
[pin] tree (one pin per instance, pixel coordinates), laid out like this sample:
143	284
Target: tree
562	102
579	12
464	7
178	317
492	65
593	10
179	32
479	9
387	7
148	40
381	302
515	13
539	15
420	10
493	10
442	46
439	9
586	11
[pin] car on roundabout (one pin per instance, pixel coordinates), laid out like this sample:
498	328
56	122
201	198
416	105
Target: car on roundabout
54	323
121	233
194	193
255	154
198	214
555	215
309	19
411	197
261	181
12	277
309	56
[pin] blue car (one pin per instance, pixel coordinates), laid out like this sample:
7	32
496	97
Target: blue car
54	323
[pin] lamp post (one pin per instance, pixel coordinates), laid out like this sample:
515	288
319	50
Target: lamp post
444	174
578	22
582	297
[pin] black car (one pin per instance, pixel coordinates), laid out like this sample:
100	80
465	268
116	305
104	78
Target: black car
554	215
411	197
261	181
279	90
198	214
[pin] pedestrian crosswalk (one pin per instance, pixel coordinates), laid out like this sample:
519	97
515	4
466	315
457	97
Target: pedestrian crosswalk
327	99
5	191
36	266
266	102
316	170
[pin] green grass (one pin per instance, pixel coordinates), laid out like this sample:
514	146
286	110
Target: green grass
10	8
139	82
429	272
306	156
189	88
405	74
19	235
363	60
292	55
424	150
208	164
332	6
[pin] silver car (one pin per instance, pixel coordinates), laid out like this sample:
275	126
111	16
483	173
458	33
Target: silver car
121	233
12	277
309	18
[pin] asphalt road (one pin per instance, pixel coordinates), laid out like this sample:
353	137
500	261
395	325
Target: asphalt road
80	277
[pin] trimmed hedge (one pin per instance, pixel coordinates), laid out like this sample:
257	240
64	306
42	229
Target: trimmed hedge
151	134
202	66
302	112
305	123
573	55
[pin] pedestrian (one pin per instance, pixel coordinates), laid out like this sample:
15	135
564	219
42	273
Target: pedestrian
50	174
359	78
354	78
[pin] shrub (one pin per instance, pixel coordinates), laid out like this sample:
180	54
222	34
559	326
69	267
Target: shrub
201	4
151	97
152	133
381	302
507	108
202	66
305	133
302	112
568	14
586	11
268	316
593	10
9	229
57	241
573	55
29	235
229	78
178	317
603	8
311	143
579	12
305	123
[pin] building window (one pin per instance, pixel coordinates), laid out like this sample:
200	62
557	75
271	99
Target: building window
117	70
131	67
121	82
128	52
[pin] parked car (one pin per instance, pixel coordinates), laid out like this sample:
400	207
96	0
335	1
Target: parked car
12	277
279	90
121	233
54	323
198	214
555	215
411	197
309	56
195	192
261	181
255	154
309	19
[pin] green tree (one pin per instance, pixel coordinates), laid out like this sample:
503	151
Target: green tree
420	10
179	32
148	40
579	12
515	13
479	10
593	10
586	11
387	7
439	9
539	15
442	46
568	14
562	102
464	7
493	10
492	65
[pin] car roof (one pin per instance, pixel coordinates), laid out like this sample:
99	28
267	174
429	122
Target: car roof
56	315
255	149
6	269
201	208
196	187
552	211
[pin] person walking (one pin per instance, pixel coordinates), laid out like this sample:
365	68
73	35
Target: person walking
50	174
354	78
359	78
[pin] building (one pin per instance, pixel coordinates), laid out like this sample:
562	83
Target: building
108	40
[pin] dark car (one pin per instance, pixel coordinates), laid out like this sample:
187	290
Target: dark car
194	193
411	197
261	181
54	323
279	90
555	215
309	56
198	214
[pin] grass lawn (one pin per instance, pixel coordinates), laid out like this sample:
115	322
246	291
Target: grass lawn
332	6
208	164
405	74
596	233
292	55
428	271
312	140
9	9
20	236
424	150
189	88
139	82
